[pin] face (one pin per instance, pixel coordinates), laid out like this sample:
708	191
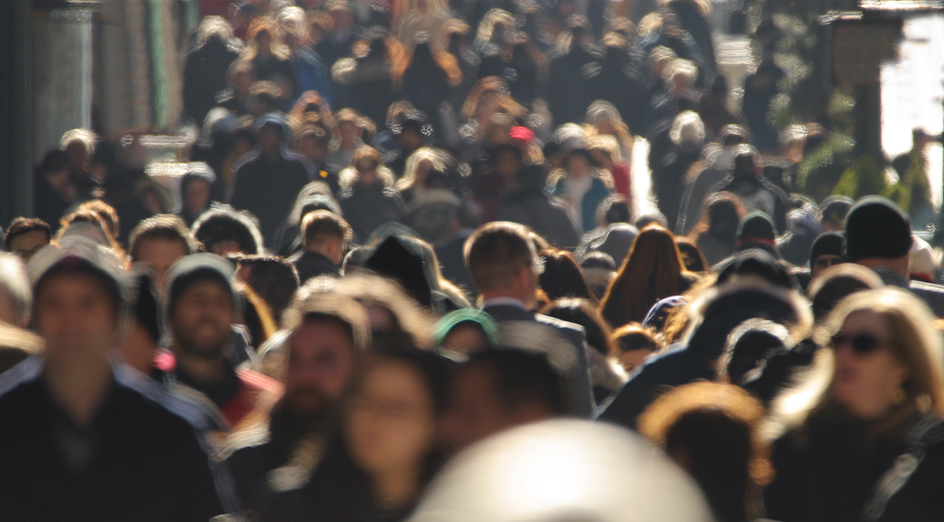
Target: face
321	363
578	166
77	318
391	422
409	140
78	155
465	338
366	172
201	318
269	139
224	247
864	382
348	131
312	149
632	359
507	164
475	412
160	253
198	196
823	262
25	245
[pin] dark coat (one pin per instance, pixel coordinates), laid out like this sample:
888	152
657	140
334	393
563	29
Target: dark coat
578	397
205	75
668	185
930	293
548	216
366	208
268	185
617	81
143	461
567	81
756	193
313	264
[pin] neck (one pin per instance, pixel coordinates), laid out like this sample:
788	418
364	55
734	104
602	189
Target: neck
207	369
900	265
397	489
79	389
529	300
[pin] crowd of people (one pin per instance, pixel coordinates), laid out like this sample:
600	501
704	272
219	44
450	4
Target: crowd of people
409	228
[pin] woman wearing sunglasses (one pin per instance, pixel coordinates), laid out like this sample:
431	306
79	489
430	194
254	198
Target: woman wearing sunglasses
863	436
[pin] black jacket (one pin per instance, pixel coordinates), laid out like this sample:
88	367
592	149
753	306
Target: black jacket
366	208
205	75
140	459
313	264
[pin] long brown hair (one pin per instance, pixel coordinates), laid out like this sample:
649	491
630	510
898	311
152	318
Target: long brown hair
652	271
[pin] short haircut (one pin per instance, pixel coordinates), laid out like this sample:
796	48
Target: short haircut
15	284
23	225
162	226
273	279
496	252
320	225
520	377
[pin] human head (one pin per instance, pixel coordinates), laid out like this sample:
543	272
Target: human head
721	215
465	331
104	211
326	233
392	417
583	312
80	303
201	305
312	142
80	145
748	346
878	233
827	250
272	278
26	236
196	187
680	76
502	260
712	431
692	257
561	276
886	356
159	241
631	344
367	168
834	210
15	294
834	284
497	389
757	231
224	230
146	329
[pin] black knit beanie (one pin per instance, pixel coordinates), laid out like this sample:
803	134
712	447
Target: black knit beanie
831	243
876	227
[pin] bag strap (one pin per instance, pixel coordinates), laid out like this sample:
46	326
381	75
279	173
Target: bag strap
928	431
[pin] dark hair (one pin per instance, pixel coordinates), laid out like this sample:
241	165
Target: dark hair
562	277
631	337
721	214
321	224
520	377
223	223
691	255
614	209
653	270
273	279
650	219
147	309
162	226
23	225
583	312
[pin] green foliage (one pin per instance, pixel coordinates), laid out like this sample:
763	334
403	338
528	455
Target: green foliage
861	179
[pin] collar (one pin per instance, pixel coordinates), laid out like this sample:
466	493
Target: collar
504	301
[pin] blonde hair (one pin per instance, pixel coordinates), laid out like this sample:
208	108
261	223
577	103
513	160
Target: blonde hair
349	177
913	341
492	18
84	136
213	26
413	165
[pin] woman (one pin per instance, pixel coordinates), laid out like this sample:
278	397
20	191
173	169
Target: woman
716	233
389	448
864	432
418	166
367	197
652	271
270	57
428	79
581	184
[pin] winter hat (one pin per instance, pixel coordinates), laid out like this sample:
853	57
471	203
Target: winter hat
876	227
615	240
757	231
755	262
523	137
829	243
197	267
836	208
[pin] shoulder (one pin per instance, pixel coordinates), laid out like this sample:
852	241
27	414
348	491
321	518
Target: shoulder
174	408
22	374
245	160
564	326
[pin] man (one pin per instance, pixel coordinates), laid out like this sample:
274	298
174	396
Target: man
26	236
200	308
828	250
89	438
878	236
505	269
325	235
327	338
160	241
717	166
498	389
268	179
15	295
755	192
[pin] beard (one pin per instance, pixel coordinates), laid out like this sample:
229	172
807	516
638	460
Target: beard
299	414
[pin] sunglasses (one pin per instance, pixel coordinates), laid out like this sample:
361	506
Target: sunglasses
861	344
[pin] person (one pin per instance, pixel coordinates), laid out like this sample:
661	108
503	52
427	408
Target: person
834	284
668	181
828	250
653	271
367	196
632	343
561	277
268	179
327	341
159	241
389	447
714	432
754	191
349	130
196	191
25	236
581	184
717	161
54	191
235	98
273	279
862	431
716	233
310	72
878	236
15	295
339	40
465	331
566	82
223	230
505	269
200	308
77	424
205	68
498	389
325	237
269	56
757	230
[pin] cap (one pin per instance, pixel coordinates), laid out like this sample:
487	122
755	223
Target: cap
877	228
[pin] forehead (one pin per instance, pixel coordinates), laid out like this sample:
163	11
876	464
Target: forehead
320	331
71	281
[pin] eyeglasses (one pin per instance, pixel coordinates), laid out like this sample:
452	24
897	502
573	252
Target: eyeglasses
861	344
